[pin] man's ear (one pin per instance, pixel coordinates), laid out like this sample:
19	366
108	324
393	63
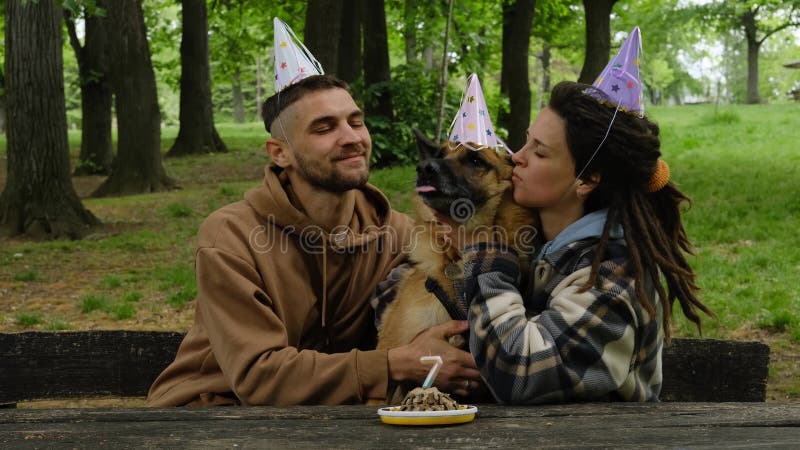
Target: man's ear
277	152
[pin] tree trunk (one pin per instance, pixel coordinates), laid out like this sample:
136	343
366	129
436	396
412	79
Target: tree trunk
598	38
38	199
259	86
2	102
323	25
514	83
197	134
350	52
410	30
377	75
545	59
137	167
427	56
96	147
376	59
238	98
753	48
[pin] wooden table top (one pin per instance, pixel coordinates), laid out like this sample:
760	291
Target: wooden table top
687	425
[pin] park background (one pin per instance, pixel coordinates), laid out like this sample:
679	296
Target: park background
110	159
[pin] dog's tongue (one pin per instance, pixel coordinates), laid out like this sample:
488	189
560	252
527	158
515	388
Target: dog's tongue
426	189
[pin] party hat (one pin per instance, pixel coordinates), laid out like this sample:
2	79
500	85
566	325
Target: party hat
293	61
620	79
472	122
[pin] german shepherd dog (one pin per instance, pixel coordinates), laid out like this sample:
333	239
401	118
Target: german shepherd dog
469	191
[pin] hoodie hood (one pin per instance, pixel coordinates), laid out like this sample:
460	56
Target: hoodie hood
589	226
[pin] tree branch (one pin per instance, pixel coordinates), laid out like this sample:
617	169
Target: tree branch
775	30
73	37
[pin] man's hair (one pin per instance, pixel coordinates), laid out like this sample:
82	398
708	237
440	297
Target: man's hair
273	106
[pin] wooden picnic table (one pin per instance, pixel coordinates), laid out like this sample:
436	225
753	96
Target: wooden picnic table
684	425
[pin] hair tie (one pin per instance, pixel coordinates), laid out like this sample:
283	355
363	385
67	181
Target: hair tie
659	178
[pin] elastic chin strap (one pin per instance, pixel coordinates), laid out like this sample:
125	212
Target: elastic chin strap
577	180
608	131
284	135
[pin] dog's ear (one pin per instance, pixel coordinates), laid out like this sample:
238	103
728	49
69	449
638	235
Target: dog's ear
427	148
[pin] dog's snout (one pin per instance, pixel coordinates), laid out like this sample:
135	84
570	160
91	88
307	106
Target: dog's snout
431	167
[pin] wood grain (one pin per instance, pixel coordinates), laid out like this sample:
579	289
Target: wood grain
572	426
41	365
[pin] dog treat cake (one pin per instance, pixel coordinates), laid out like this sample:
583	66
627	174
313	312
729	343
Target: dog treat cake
428	399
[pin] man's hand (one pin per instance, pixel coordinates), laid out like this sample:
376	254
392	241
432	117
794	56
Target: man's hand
458	373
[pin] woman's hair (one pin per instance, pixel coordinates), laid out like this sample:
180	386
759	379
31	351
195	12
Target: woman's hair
654	234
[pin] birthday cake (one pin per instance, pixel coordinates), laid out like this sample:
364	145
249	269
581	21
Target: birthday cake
428	399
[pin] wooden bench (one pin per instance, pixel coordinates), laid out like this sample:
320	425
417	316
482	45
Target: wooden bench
84	364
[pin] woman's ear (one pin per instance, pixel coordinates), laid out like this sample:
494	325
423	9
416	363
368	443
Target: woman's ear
277	153
586	186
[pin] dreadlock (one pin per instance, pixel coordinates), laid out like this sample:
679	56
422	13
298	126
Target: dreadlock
654	234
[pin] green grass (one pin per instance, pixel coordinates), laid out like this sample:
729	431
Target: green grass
112	282
28	320
739	164
91	303
28	275
132	297
178	210
56	324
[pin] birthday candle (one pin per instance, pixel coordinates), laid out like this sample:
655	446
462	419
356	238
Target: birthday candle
437	363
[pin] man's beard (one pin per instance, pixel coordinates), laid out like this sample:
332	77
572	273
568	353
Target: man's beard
332	180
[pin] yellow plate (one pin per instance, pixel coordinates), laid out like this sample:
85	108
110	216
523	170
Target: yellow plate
393	415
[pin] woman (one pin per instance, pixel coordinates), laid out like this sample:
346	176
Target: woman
592	323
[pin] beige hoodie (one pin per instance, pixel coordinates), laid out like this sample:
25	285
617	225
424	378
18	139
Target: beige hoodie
268	330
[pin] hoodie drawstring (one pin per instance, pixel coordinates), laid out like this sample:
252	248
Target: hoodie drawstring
324	280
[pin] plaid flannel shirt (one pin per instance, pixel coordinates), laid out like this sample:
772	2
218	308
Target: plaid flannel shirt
557	343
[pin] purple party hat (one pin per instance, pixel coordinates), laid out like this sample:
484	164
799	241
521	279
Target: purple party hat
292	60
472	122
620	79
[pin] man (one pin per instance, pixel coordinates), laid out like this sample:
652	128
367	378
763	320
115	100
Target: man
284	277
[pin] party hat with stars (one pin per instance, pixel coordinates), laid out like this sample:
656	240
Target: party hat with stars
293	61
472	122
620	79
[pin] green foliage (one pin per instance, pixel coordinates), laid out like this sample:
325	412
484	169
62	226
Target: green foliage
28	319
415	96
